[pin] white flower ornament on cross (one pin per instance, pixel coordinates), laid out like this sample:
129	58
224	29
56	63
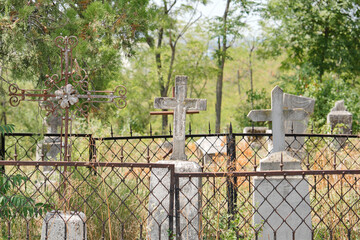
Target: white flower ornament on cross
67	96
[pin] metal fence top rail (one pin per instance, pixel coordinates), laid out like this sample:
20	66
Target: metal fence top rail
187	135
267	173
85	164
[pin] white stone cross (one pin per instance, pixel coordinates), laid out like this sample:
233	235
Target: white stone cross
180	104
277	114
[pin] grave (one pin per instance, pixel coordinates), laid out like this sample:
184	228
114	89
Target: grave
50	148
255	142
189	196
209	147
64	91
64	225
340	121
288	196
297	127
295	144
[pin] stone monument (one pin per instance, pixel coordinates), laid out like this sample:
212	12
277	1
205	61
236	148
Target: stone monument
340	121
60	225
50	148
190	201
282	205
297	127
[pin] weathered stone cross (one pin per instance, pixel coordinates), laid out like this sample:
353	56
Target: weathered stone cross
180	104
277	114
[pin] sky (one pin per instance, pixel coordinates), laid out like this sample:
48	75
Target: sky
217	7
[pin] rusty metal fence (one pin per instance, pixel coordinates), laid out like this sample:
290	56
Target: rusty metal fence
109	181
245	209
214	152
111	199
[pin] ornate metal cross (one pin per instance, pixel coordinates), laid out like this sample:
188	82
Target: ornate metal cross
68	93
180	104
277	114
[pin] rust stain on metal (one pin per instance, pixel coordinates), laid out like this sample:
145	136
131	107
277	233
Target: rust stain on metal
68	92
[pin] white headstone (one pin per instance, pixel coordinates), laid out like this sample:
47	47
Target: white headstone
297	127
60	225
210	147
282	204
340	118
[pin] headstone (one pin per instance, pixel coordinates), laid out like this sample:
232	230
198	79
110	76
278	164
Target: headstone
159	200
340	121
282	204
209	147
189	196
277	115
58	225
255	142
296	145
50	148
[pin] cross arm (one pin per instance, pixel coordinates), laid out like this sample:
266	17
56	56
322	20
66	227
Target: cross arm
289	114
196	104
260	115
165	102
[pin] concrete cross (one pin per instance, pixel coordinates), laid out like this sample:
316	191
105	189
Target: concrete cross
277	114
180	104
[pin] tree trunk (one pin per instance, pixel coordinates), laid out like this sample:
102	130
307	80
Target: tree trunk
222	47
219	85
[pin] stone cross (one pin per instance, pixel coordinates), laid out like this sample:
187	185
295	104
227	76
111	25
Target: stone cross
277	115
180	104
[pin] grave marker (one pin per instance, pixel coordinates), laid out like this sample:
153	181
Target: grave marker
180	104
68	94
160	180
282	204
277	115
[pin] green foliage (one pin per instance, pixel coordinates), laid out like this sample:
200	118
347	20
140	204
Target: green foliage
14	204
7	128
323	34
260	99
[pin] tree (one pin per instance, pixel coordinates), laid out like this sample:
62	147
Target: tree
320	34
319	43
107	31
165	32
226	30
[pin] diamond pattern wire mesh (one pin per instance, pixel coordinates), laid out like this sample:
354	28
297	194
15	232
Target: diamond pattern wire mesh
113	197
333	203
316	152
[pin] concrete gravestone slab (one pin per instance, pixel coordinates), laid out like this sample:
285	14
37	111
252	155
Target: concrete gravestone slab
282	205
297	127
256	142
59	226
190	199
340	121
209	147
50	147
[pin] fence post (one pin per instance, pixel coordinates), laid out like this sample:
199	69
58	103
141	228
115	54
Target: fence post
2	152
92	150
231	166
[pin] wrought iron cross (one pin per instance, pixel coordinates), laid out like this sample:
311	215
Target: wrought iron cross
68	93
180	104
277	114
